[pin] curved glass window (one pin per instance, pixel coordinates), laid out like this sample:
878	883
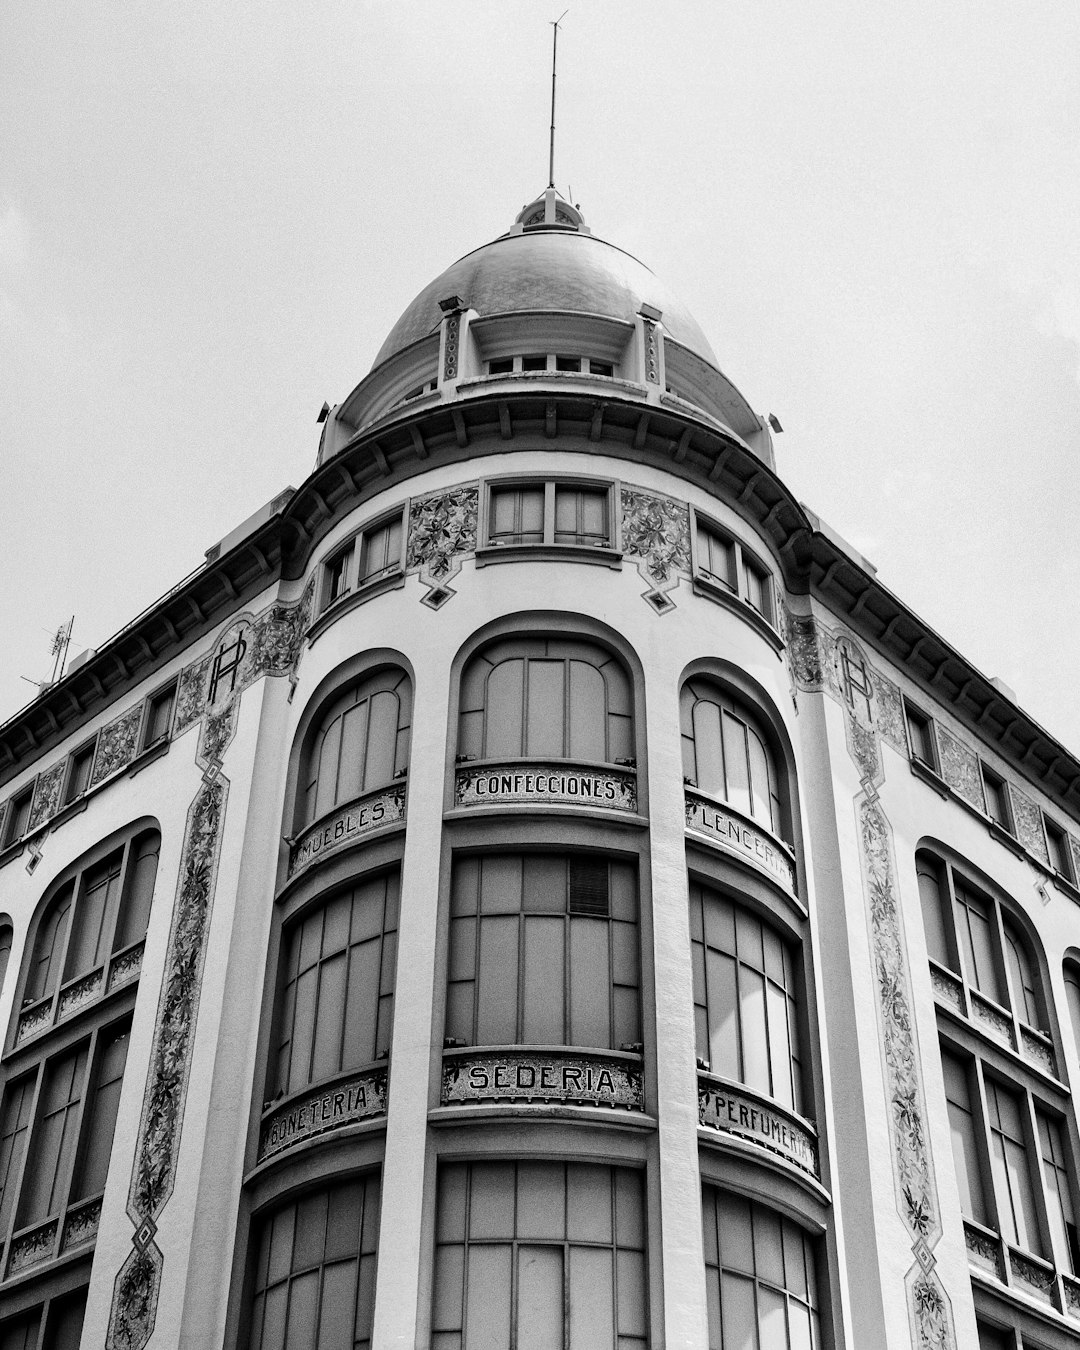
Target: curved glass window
337	996
540	1254
746	1002
315	1271
760	1276
543	951
726	755
361	743
546	698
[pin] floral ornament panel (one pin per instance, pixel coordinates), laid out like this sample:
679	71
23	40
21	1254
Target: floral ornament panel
47	795
960	769
929	1311
1028	820
116	745
135	1299
191	694
442	529
656	530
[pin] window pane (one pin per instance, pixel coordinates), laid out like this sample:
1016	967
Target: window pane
587	713
94	917
973	922
546	708
138	891
52	1149
504	708
964	1146
930	896
540	1297
101	1124
14	1124
542	993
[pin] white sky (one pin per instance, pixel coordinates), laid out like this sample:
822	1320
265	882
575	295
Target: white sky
211	215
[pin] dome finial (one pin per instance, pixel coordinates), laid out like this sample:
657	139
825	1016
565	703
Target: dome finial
554	52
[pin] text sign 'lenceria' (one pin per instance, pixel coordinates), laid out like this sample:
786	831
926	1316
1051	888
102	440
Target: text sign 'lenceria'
342	1103
524	1076
732	832
346	825
500	784
731	1112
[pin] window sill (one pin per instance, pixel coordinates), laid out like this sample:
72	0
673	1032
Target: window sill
147	756
586	553
12	851
931	776
336	608
65	813
720	595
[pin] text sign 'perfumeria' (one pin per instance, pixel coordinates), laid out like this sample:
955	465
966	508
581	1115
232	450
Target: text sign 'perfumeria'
500	784
732	1112
347	824
342	1103
735	834
544	1076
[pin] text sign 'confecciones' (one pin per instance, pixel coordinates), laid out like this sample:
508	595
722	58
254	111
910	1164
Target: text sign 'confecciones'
737	1113
731	831
503	784
346	825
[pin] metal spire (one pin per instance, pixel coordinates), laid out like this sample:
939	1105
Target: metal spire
554	49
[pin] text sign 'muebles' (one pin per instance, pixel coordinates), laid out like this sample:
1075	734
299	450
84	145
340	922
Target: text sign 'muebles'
346	825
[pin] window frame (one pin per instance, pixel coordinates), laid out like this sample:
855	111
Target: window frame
994	784
551	359
82	755
153	700
488	551
15	803
1059	850
746	562
349	551
915	717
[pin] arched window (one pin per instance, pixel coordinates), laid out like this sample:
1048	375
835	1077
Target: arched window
63	1074
543	951
760	1277
315	1271
726	754
361	743
6	935
546	698
746	1001
1071	970
89	937
337	995
540	1254
971	933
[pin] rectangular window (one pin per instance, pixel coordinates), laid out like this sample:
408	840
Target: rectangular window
159	712
1057	841
965	1147
503	366
339	575
601	368
1010	1168
997	799
18	815
380	550
78	778
54	1137
1059	1204
921	737
552	513
758	588
376	552
101	1108
534	363
716	559
572	363
721	560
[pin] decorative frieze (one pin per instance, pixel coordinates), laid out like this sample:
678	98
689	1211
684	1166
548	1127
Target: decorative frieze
545	784
1035	1276
1039	1050
81	1224
346	825
442	529
1028	820
947	988
572	1077
117	745
993	1018
744	1115
30	1248
343	1102
732	832
33	1019
960	769
81	992
126	966
46	801
657	530
984	1249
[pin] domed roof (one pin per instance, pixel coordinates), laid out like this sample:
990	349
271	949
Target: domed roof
547	267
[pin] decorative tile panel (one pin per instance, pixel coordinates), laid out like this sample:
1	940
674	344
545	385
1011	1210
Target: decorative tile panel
1028	820
960	769
47	795
117	743
890	712
657	530
947	988
984	1249
356	820
81	1224
996	1021
30	1248
1037	1050
442	530
33	1020
79	994
126	967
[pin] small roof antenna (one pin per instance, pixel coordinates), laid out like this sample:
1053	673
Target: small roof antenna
554	50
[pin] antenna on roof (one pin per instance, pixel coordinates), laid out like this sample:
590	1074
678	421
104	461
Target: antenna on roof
61	640
554	49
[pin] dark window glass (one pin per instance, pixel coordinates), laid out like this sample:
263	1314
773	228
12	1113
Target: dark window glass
516	515
14	1124
568	363
338	994
315	1271
380	550
758	588
1011	1168
543	951
55	1136
5	951
760	1274
746	998
95	916
581	516
18	817
934	924
601	368
79	772
548	1255
975	925
921	737
21	1333
1059	1202
63	1330
1058	843
545	698
969	1179
726	755
102	1106
534	363
997	800
362	743
503	366
338	573
716	558
44	972
159	716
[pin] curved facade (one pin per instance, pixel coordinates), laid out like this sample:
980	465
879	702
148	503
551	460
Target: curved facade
534	888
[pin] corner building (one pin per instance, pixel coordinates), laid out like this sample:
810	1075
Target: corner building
533	887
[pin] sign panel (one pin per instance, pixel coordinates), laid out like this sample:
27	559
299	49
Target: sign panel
542	1076
733	1112
345	825
342	1103
498	785
724	827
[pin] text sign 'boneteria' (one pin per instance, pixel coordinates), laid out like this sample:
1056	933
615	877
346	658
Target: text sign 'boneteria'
736	1113
732	832
346	825
497	785
342	1103
524	1076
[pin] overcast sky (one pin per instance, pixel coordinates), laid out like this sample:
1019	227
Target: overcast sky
211	215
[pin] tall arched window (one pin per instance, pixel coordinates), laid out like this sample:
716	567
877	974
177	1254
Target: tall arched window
726	754
337	996
360	743
6	935
543	951
63	1075
546	698
746	1002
